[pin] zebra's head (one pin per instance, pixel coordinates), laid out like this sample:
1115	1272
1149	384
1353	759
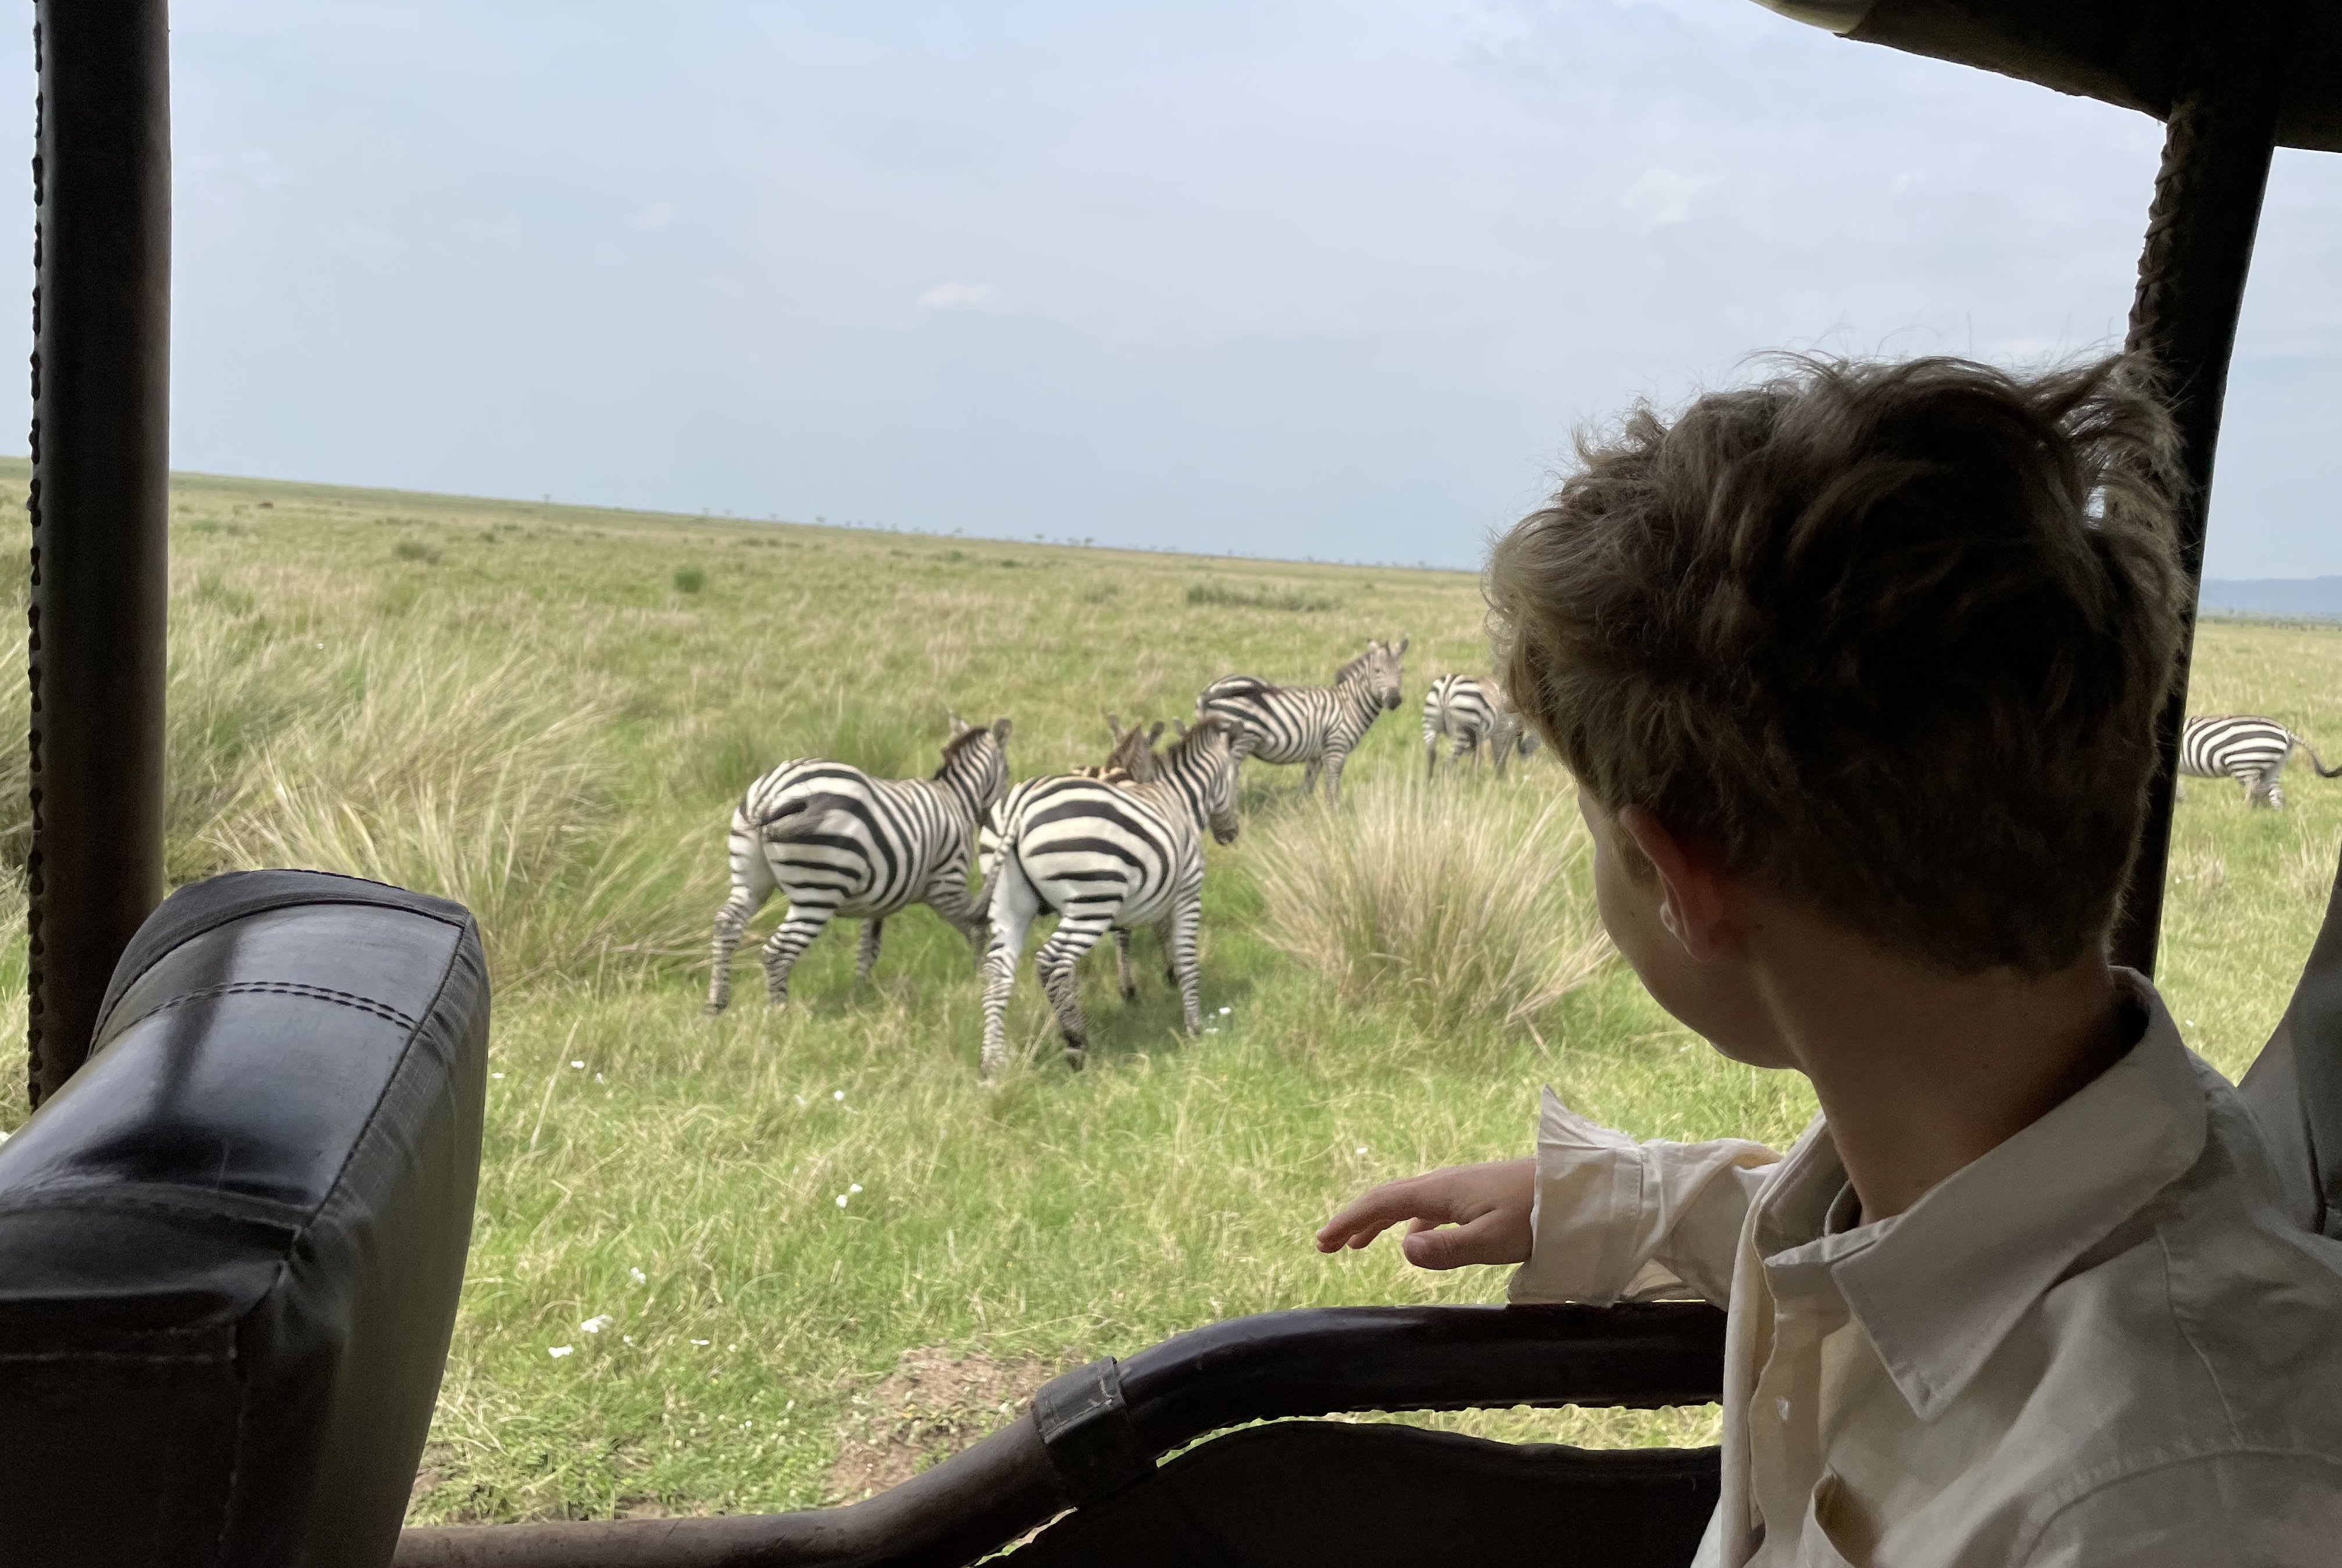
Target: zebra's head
975	763
1205	759
1133	750
1384	664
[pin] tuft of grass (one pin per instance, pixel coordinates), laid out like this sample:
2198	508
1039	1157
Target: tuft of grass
1260	597
689	579
1461	906
416	550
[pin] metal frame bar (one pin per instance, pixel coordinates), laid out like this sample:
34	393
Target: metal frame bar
100	508
2221	135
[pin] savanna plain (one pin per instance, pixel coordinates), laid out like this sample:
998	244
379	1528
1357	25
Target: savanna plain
776	1259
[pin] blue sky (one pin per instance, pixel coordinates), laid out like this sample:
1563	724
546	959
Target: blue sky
1288	278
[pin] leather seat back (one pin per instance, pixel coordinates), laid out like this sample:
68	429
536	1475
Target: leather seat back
2295	1086
231	1246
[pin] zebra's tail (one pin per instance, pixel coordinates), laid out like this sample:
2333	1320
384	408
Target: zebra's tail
2315	761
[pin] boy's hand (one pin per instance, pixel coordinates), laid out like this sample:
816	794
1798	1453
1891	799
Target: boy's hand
1463	1214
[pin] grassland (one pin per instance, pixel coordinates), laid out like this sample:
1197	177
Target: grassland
547	711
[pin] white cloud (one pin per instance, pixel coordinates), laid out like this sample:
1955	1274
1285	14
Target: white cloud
656	215
1661	197
961	296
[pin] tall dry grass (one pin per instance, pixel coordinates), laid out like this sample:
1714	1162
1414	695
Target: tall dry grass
1462	899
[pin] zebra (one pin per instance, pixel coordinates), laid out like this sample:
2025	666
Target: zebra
836	841
1105	856
2252	751
1318	725
1468	712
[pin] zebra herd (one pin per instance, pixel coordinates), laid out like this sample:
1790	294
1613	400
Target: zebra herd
1120	845
1107	848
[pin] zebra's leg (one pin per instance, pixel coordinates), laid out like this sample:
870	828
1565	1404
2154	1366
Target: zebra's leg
1180	933
2256	785
1059	963
1128	981
1430	756
752	884
1164	931
1014	905
1309	777
804	922
866	960
1333	760
964	912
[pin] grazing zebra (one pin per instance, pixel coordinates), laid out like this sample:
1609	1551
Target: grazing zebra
2251	751
836	841
1105	856
1133	754
1318	725
1468	712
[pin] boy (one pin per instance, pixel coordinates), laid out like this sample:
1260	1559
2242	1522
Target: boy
1857	673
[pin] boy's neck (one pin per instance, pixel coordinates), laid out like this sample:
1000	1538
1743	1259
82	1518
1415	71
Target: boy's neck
1921	1072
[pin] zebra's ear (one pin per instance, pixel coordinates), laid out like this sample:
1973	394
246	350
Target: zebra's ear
1155	733
960	726
1000	728
1182	727
1402	645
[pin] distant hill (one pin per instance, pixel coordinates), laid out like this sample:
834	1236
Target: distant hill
2312	598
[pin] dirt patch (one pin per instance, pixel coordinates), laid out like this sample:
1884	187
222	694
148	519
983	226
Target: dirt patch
936	1403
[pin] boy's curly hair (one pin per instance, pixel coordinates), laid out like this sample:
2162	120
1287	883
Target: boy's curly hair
1890	637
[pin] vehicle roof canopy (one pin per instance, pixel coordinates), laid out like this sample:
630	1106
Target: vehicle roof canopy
2128	53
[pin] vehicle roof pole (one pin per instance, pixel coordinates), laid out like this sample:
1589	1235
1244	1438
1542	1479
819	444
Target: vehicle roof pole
99	502
2191	287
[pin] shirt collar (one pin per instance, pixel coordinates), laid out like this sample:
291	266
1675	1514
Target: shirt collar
1940	1286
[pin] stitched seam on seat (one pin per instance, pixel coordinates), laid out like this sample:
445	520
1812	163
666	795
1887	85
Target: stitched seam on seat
243	1418
382	1010
406	1054
14	1357
273	906
81	1189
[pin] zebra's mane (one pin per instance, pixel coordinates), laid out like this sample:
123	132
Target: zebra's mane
956	745
1181	747
1353	666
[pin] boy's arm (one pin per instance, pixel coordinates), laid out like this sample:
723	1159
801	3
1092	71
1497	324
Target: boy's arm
1594	1217
1616	1220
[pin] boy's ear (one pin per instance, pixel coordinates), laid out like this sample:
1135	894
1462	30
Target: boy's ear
1691	884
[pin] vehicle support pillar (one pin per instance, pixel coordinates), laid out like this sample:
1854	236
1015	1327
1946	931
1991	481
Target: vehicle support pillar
2220	137
100	507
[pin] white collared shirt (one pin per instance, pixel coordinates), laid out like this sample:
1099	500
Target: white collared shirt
2102	1344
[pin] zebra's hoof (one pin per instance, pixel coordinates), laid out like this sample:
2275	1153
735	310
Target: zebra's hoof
1130	992
1074	1056
711	1009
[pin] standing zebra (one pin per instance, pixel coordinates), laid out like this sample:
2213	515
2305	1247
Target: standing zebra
1468	712
836	841
1318	725
1105	856
2251	751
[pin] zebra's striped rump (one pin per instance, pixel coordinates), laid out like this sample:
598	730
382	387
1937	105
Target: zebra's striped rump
1317	726
1104	854
1467	713
834	840
2247	748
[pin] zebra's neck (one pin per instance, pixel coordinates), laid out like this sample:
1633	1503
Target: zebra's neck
1186	776
962	787
1354	696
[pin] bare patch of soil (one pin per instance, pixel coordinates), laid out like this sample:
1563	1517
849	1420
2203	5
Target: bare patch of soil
936	1403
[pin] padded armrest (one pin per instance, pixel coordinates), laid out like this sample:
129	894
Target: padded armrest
230	1247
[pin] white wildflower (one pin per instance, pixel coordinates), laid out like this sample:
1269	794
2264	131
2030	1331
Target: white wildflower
597	1077
854	1186
597	1323
1362	1148
495	1074
557	1351
580	1066
837	1094
1226	1010
841	1200
639	1277
699	1342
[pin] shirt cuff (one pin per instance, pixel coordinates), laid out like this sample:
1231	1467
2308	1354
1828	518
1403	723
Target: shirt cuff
1606	1206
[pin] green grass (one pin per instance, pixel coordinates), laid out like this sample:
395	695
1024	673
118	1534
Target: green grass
526	706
